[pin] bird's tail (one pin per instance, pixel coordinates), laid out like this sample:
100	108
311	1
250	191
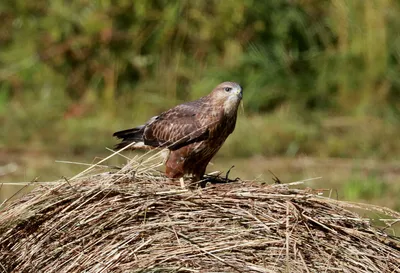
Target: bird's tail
129	136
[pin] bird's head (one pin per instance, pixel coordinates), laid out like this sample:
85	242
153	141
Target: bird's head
228	95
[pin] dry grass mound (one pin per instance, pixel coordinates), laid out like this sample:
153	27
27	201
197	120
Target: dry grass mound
134	221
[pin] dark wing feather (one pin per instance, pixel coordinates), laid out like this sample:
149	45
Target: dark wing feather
129	132
177	127
129	136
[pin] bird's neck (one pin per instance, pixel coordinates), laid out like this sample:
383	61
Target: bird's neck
230	107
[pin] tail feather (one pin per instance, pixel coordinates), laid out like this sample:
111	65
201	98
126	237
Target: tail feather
129	136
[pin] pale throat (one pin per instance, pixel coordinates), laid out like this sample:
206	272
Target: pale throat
231	105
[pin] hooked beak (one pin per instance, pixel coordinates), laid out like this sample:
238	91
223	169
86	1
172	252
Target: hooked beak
239	92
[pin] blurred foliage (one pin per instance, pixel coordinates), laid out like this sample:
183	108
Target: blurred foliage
68	68
365	188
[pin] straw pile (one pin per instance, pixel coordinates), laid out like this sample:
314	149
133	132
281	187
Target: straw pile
134	221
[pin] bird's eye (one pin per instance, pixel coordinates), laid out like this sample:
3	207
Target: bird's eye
227	89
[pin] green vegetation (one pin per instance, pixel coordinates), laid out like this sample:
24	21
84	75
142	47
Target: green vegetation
320	77
366	188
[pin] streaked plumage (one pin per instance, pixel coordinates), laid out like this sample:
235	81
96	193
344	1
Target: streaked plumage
192	131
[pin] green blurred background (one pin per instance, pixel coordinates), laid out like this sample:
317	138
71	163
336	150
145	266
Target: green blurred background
321	85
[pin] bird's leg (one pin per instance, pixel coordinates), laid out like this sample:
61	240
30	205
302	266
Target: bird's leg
198	178
203	182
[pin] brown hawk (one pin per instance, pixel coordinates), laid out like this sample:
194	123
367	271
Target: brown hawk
192	131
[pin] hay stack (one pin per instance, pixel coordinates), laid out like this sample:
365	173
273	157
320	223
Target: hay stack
126	222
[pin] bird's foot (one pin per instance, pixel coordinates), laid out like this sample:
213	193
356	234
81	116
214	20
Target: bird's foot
217	179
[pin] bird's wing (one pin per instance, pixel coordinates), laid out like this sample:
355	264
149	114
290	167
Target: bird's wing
177	127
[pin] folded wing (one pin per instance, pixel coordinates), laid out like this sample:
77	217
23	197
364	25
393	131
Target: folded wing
176	128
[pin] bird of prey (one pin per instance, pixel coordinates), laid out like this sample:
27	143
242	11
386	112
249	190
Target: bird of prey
193	131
